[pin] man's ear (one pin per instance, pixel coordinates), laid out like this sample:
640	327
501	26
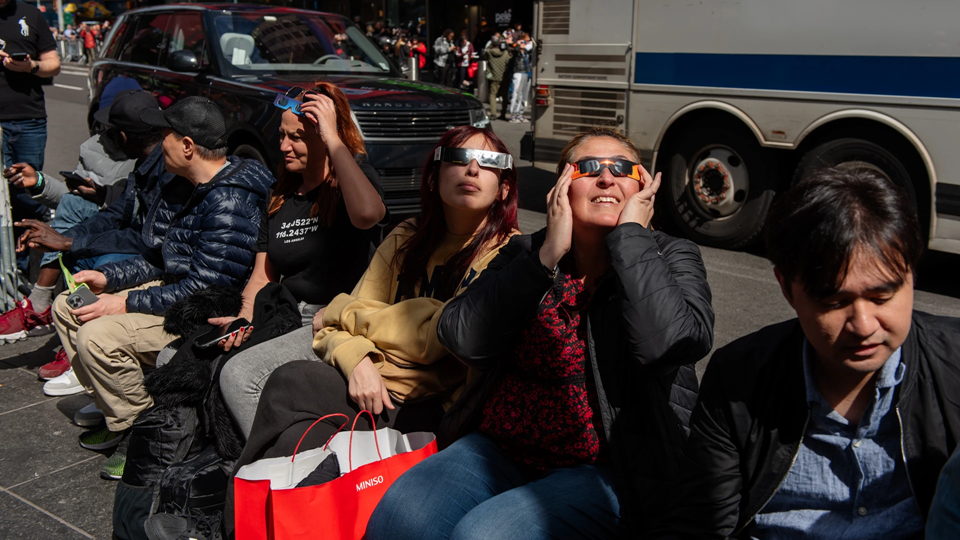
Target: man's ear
189	147
785	286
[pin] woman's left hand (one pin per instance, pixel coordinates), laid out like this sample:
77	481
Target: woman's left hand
639	207
321	110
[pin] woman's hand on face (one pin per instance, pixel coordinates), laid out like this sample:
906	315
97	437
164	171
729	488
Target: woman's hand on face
559	221
366	387
321	110
639	207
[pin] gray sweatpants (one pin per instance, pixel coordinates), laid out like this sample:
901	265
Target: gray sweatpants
244	376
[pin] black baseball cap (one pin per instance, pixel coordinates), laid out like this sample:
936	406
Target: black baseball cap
195	117
124	111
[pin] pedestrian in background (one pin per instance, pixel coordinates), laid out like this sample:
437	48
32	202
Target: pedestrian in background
463	52
23	115
88	34
442	48
418	50
521	78
497	56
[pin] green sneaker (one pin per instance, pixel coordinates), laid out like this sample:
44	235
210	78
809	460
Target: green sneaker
101	439
113	468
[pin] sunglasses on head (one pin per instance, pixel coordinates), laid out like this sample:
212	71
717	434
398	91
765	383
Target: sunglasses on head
287	101
617	167
463	156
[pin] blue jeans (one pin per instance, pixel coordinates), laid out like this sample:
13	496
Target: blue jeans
24	141
71	210
472	490
943	522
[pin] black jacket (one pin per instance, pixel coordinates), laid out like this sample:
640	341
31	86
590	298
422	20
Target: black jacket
752	413
196	237
648	322
118	227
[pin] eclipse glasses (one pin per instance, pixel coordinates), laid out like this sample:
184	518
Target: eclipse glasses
463	156
617	167
286	100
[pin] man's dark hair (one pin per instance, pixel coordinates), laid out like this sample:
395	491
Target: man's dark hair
136	142
816	228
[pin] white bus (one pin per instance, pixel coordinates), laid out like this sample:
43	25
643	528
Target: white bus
732	100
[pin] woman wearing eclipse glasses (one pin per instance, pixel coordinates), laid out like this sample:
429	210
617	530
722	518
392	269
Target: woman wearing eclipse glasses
379	343
318	234
584	336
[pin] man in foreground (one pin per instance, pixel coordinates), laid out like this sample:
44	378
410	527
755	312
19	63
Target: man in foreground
834	424
200	233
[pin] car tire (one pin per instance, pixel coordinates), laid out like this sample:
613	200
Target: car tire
717	186
853	154
247	151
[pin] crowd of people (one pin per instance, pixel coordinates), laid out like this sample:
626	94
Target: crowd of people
556	368
81	44
510	57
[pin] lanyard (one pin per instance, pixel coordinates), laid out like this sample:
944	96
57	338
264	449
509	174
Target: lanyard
66	274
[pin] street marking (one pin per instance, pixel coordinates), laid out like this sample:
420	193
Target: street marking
68	87
81	462
54	516
78	73
27	406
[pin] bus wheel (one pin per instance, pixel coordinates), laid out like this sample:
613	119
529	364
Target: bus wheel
857	154
247	151
717	187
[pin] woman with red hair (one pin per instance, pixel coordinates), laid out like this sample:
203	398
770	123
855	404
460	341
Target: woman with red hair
379	344
317	236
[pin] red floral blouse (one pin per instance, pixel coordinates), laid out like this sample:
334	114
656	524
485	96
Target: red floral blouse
541	411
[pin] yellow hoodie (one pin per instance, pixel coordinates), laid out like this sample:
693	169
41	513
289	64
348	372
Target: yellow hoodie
401	337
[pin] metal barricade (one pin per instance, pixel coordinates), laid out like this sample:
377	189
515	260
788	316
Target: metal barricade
9	277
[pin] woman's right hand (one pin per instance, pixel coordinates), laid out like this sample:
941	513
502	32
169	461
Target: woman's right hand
559	221
233	340
366	387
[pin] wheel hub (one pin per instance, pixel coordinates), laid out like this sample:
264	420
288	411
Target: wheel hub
718	181
711	181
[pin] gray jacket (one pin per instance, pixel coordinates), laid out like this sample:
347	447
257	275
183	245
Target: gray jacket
441	48
101	161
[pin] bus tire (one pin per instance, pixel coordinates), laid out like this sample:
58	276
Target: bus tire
247	151
717	186
853	154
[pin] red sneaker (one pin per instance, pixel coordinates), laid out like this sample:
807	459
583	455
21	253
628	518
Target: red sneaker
56	368
23	322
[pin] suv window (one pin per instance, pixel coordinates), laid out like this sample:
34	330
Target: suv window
146	41
185	32
121	36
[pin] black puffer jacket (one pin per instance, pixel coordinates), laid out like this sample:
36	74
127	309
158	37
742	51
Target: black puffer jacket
749	423
204	238
649	321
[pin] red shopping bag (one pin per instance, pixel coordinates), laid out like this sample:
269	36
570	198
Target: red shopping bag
341	508
253	484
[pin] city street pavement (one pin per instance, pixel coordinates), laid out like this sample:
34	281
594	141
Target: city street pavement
49	486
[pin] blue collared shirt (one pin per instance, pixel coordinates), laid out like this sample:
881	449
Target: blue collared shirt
848	481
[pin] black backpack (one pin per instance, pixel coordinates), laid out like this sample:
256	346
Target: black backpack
160	437
197	485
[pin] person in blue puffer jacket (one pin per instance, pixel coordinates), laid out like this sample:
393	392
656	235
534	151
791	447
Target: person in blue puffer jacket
199	233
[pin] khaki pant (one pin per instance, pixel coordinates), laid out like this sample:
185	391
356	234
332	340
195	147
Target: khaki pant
107	355
494	90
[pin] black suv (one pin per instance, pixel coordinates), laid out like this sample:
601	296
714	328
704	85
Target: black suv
241	57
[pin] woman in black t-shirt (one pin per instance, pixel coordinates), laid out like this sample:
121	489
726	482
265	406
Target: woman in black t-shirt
317	239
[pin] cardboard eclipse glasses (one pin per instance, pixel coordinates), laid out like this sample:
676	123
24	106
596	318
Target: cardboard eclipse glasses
463	156
617	167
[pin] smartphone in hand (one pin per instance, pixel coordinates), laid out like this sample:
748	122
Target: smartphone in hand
19	56
73	180
214	336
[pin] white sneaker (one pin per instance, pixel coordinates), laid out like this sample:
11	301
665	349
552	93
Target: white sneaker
64	385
